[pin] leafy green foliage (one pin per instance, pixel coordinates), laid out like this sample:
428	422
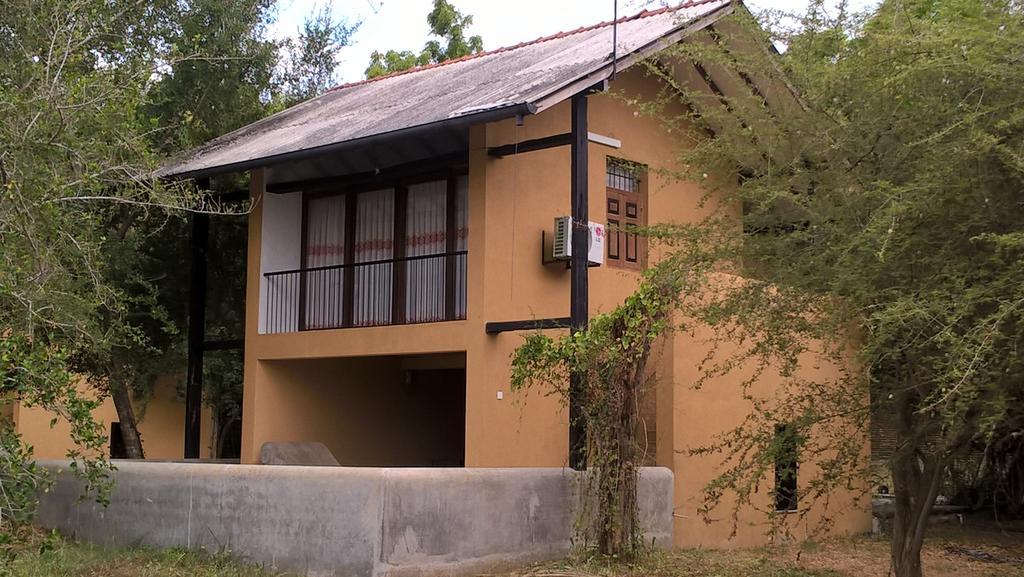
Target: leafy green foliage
93	276
310	60
219	75
23	479
87	284
227	78
231	74
447	23
71	74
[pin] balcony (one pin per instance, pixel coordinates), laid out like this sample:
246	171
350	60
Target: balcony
415	289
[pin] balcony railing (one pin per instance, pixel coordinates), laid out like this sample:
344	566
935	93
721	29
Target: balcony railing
415	289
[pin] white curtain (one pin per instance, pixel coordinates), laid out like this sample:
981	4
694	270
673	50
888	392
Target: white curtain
375	223
325	247
425	235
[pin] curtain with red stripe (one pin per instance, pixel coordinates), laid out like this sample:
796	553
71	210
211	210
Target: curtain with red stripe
426	235
325	247
374	241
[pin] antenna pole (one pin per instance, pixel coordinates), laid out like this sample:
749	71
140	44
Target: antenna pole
615	38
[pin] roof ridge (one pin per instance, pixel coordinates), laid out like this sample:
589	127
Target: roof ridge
557	35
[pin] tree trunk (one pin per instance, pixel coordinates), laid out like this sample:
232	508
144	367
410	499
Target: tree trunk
916	481
125	412
916	475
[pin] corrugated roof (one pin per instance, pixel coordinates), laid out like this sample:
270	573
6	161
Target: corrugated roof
530	76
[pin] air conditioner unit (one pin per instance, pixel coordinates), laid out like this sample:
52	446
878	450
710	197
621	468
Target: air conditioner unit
562	242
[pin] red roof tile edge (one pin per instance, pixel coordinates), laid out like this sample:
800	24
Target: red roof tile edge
555	36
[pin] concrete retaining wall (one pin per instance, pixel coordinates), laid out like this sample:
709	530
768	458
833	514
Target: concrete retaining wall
344	521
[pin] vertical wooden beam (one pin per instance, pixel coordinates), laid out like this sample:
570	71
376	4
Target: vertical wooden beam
303	243
349	278
399	276
450	261
579	300
199	241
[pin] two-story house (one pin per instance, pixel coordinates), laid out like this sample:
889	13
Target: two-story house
400	244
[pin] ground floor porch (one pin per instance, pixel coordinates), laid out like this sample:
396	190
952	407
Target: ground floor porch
369	411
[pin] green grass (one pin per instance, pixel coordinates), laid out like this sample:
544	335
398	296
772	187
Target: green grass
56	557
53	556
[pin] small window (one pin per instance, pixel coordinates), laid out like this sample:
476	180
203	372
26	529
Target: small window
786	467
627	202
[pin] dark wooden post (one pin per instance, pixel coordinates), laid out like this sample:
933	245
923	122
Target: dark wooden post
349	275
450	261
199	240
579	298
399	276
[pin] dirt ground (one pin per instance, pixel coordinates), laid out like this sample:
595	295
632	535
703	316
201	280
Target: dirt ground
969	550
979	549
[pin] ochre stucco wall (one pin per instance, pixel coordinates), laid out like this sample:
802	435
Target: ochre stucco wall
718	406
161	424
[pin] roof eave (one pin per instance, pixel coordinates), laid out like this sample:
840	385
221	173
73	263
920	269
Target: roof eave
490	115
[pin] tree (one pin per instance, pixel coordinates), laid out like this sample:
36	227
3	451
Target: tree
229	74
889	201
88	91
311	59
447	23
221	76
71	76
214	73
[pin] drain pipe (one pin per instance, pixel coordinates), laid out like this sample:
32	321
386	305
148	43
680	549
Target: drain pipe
615	38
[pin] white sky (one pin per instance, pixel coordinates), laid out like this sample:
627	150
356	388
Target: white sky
402	24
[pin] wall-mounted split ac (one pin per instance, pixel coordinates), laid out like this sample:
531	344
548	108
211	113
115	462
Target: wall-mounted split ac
562	241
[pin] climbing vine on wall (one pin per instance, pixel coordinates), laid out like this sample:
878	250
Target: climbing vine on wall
611	355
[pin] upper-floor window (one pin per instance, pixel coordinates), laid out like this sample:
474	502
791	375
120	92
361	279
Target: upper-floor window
626	203
379	253
387	253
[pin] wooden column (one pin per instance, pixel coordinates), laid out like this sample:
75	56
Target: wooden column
450	261
199	240
399	270
579	299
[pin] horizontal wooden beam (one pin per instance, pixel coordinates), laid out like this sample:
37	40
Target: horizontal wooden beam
408	169
224	345
494	328
233	196
531	145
